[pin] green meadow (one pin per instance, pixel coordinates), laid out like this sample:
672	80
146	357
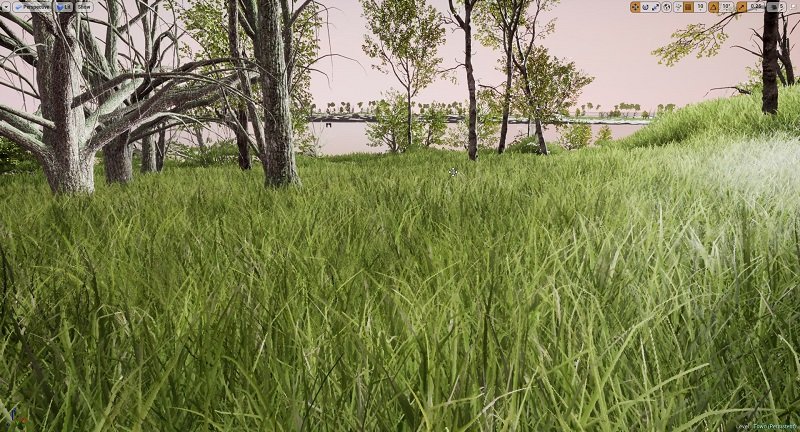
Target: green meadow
647	285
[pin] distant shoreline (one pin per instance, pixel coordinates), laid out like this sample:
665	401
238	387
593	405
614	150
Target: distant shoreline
368	118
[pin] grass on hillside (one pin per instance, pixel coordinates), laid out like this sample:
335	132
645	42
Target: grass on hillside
731	118
609	289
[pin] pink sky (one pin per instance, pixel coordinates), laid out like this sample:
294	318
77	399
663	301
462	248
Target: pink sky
602	37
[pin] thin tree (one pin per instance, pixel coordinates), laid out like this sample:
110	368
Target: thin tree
546	86
464	22
530	31
769	96
405	36
500	21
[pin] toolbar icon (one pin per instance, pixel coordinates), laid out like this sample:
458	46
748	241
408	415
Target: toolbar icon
666	7
688	7
636	7
5	7
713	7
700	7
726	7
677	7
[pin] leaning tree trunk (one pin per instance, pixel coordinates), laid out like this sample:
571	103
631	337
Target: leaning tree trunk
785	52
118	160
242	143
68	169
506	103
769	101
161	150
278	155
148	155
472	142
540	137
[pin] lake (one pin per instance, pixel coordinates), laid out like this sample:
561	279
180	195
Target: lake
344	137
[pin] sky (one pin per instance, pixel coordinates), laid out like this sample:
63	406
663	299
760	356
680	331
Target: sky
603	37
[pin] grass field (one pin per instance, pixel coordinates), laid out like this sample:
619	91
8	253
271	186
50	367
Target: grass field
648	285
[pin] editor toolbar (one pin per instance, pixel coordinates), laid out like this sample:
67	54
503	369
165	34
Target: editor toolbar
45	6
710	6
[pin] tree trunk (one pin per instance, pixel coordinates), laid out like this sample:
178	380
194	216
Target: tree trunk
540	137
472	123
769	102
161	150
278	156
67	168
790	78
118	160
506	103
530	126
148	155
198	134
242	143
70	176
409	132
785	53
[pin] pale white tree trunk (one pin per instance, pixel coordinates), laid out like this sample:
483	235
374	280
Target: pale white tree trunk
278	154
67	168
148	155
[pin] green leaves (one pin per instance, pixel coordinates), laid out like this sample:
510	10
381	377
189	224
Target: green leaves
404	36
14	158
703	40
548	85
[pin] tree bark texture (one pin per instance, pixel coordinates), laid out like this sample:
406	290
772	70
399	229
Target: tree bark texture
118	160
242	142
501	147
540	137
148	155
68	169
472	122
769	102
278	155
409	119
161	150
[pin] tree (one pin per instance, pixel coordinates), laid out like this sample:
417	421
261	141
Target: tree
706	41
499	23
769	95
576	136
547	86
604	135
389	128
276	56
75	122
529	32
405	36
276	152
487	126
434	124
301	52
464	22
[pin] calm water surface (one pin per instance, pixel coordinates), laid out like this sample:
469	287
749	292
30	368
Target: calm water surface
342	138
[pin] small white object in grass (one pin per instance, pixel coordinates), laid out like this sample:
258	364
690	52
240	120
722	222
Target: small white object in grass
453	172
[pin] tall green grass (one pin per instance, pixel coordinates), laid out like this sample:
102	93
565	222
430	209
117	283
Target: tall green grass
606	290
731	118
